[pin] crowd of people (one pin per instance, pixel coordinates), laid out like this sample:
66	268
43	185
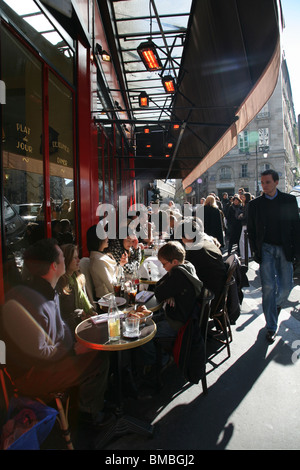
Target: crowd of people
53	289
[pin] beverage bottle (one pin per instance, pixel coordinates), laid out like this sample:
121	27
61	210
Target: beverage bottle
135	277
122	282
113	320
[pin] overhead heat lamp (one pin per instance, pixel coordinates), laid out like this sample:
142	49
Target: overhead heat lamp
104	55
148	53
143	100
168	84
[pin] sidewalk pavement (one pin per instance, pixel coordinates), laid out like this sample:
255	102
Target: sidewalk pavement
253	400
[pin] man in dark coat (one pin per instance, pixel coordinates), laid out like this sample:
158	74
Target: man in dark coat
274	235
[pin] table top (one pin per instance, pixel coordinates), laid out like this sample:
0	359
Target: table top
95	336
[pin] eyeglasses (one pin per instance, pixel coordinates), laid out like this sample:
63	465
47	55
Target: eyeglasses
164	264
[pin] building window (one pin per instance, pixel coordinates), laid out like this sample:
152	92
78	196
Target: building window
243	142
244	173
264	112
225	173
263	137
265	166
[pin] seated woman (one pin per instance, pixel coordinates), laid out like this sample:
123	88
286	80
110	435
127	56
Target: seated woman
103	266
71	290
128	247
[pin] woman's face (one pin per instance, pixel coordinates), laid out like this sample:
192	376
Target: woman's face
103	244
236	202
243	197
127	243
74	265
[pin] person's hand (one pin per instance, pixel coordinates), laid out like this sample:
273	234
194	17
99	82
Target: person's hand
124	259
171	301
91	313
135	243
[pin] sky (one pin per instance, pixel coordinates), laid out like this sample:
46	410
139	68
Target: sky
291	46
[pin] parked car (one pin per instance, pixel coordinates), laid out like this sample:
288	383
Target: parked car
296	192
29	211
15	226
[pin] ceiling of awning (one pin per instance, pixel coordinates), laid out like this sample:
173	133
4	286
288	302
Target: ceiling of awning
218	52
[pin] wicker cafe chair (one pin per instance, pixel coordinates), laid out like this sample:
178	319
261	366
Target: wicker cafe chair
14	314
166	344
84	267
220	313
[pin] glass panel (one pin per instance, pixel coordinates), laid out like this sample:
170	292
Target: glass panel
135	24
42	31
21	139
100	172
61	152
106	169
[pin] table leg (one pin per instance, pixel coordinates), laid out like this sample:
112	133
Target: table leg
124	424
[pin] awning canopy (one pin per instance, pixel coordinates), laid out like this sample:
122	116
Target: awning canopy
228	70
224	57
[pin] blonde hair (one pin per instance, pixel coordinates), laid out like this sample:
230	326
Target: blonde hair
211	201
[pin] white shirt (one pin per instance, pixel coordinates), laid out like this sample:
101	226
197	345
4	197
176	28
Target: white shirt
103	270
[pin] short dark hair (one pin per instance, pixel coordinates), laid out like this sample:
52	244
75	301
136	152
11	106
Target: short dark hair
39	256
92	239
273	173
172	250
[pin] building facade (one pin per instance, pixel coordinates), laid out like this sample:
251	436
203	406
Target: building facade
269	141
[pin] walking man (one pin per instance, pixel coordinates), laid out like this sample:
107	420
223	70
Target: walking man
274	235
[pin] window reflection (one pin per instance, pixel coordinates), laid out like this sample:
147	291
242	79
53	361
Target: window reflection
21	136
55	45
61	153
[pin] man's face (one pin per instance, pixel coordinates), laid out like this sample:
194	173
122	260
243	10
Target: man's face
268	185
168	265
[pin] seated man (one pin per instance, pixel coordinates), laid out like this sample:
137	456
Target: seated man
179	288
205	255
50	361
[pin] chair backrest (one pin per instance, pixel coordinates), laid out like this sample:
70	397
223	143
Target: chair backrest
84	266
205	301
22	330
233	262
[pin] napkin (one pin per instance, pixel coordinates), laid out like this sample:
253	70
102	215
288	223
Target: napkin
103	318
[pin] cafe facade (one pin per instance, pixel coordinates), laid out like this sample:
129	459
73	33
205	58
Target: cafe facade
68	130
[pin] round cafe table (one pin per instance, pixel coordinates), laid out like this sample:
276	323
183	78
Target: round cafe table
95	336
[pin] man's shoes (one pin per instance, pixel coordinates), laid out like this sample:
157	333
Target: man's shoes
270	336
